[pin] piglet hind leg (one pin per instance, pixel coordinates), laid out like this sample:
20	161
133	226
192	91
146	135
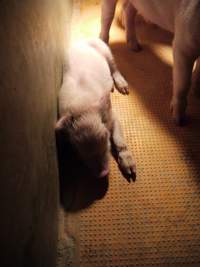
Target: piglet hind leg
182	74
121	153
119	81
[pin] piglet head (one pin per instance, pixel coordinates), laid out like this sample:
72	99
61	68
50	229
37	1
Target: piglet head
91	140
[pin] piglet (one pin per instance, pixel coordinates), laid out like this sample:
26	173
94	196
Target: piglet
86	118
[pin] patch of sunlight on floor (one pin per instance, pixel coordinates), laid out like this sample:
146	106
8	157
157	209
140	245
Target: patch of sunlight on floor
164	52
81	23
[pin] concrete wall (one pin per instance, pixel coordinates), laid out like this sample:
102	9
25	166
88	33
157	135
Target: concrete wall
32	37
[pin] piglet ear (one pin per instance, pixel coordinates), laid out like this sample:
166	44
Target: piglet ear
61	132
62	123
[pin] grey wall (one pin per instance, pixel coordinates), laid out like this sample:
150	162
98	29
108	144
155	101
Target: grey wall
32	37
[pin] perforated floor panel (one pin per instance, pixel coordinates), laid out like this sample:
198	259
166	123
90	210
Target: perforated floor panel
156	220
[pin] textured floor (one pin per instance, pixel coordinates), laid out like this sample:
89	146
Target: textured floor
156	220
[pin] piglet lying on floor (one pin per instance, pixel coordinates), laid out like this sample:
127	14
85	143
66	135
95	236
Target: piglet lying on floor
86	117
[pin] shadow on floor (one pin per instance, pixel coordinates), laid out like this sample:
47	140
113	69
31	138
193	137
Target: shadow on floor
78	189
151	78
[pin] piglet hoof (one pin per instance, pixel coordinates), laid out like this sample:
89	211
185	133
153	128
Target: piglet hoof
120	83
134	46
127	165
180	120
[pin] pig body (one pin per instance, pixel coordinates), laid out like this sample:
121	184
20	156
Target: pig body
86	117
181	17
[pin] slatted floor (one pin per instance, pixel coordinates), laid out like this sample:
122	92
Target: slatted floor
156	220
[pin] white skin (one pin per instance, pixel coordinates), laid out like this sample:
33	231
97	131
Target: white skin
86	116
181	17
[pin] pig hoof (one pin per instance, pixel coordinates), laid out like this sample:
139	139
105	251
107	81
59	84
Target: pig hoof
127	165
179	117
180	121
120	83
196	91
134	46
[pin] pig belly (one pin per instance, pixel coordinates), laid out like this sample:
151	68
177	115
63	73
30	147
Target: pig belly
159	12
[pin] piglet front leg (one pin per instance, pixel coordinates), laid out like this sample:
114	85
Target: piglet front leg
121	153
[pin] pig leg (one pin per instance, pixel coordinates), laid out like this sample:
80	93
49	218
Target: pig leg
130	15
119	81
196	79
182	73
107	15
121	153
